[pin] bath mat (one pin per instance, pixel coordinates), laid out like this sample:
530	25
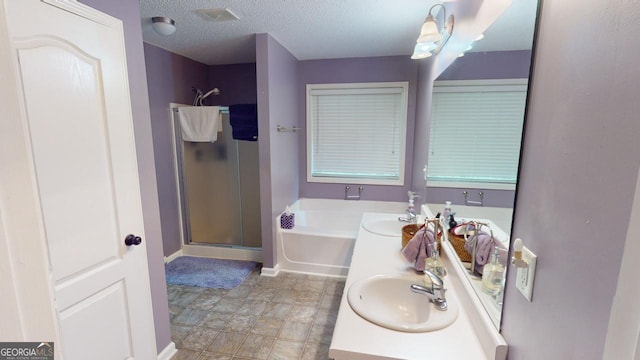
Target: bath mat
207	272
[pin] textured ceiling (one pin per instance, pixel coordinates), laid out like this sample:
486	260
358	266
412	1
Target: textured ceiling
314	29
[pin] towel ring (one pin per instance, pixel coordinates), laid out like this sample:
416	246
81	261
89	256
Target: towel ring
477	226
437	226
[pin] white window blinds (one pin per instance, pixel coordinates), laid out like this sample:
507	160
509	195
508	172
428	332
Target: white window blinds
356	133
475	135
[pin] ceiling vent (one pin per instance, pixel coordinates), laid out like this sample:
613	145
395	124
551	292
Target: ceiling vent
217	15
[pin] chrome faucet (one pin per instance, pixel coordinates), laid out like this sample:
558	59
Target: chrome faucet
435	292
411	217
411	211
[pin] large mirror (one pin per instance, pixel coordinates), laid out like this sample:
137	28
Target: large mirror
477	116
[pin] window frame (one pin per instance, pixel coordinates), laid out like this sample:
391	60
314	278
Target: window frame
507	85
352	88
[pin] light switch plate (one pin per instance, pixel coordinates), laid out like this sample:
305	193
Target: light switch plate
525	276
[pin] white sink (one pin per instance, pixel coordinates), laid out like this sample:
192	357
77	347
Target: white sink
385	227
388	301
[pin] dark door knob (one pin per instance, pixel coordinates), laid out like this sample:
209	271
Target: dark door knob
132	240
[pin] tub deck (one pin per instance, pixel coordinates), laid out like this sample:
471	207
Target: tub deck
323	238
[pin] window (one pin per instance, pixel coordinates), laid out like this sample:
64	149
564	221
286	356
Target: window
475	135
356	133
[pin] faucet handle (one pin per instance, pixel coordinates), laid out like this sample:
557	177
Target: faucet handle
436	281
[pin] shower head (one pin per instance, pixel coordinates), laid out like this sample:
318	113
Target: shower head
214	91
199	96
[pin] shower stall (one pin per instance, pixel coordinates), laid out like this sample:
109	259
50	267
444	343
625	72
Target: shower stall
218	193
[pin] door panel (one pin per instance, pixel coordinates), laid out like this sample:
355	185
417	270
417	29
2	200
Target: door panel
106	342
67	124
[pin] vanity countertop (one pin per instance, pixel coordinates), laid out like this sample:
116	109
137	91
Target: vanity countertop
356	338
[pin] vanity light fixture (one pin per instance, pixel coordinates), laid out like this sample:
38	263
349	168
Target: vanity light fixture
163	25
432	35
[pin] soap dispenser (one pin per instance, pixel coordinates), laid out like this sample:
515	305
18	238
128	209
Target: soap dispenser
433	263
447	211
411	209
493	275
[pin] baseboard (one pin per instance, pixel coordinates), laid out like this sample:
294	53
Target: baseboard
168	352
220	252
170	258
335	276
272	272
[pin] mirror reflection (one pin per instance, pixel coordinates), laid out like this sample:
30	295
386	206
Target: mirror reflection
477	116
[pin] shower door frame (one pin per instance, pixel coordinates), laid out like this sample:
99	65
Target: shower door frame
224	251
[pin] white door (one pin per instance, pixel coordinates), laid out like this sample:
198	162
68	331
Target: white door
70	68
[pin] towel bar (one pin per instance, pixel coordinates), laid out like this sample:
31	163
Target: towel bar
352	197
471	202
223	109
281	128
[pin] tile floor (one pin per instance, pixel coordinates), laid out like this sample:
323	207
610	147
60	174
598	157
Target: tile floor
287	317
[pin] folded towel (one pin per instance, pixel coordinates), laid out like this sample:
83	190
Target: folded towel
199	123
485	246
243	114
484	249
417	249
247	133
244	121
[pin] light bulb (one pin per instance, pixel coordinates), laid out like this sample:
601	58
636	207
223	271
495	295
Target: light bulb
429	31
517	249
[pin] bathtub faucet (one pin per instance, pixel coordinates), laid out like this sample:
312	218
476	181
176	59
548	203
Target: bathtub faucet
352	197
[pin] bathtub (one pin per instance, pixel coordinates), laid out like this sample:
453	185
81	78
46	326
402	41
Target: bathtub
321	243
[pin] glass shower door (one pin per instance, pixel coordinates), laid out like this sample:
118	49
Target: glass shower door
216	189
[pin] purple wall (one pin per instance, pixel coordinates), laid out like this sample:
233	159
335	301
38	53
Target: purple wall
423	124
129	12
237	84
170	78
489	65
493	198
277	80
578	178
476	66
389	68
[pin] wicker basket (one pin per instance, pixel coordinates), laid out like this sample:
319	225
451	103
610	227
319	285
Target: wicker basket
458	246
408	232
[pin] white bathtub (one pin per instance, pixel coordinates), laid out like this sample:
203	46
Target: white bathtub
322	240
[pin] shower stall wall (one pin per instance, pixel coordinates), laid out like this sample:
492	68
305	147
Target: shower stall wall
218	186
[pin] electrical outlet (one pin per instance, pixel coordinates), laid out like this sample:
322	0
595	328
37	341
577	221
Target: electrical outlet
525	276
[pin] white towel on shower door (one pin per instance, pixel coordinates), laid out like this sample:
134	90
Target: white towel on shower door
199	123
